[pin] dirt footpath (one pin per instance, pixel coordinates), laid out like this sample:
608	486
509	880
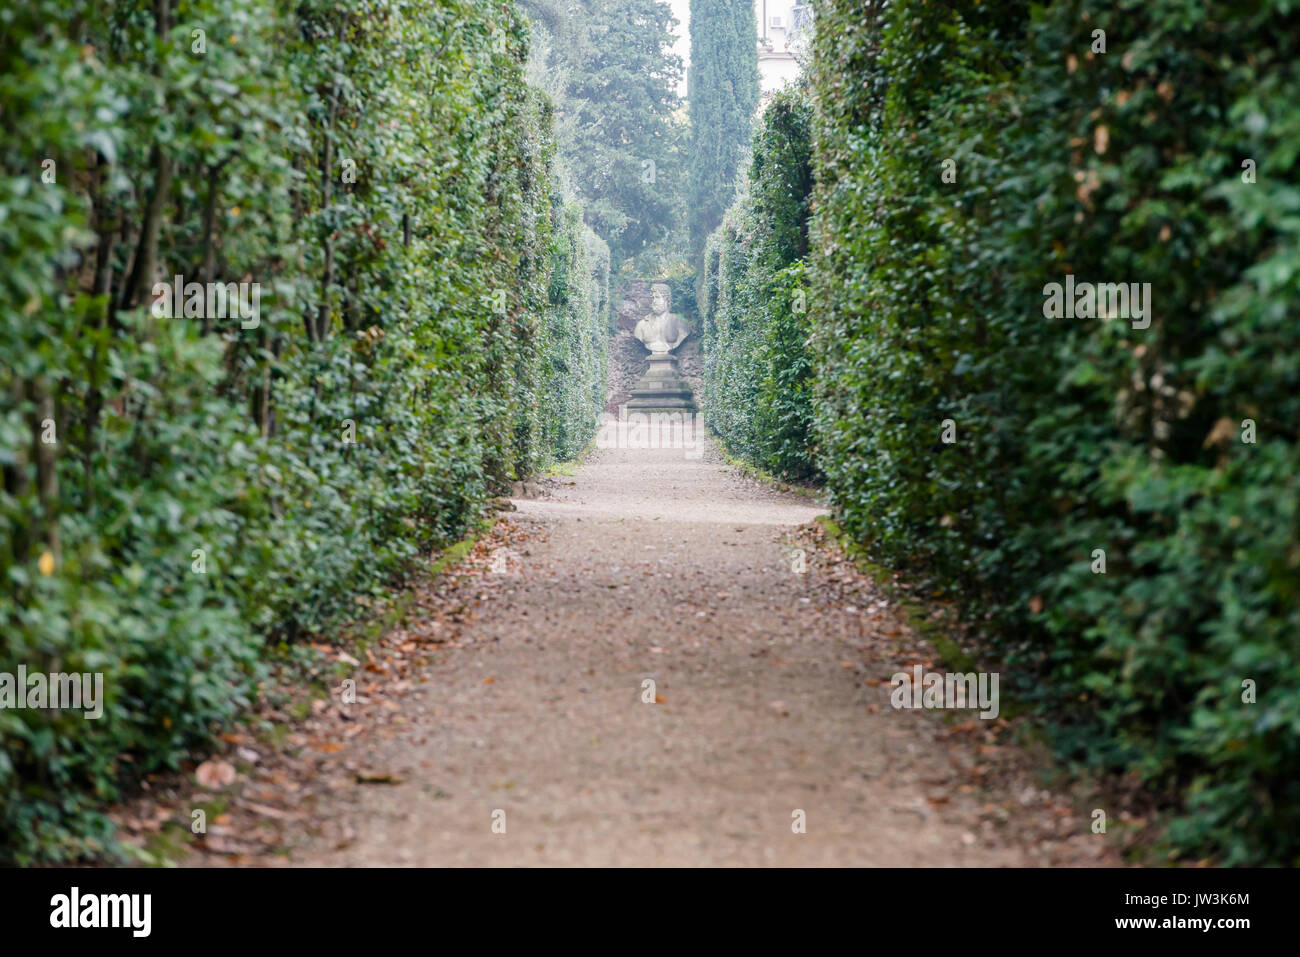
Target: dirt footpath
532	736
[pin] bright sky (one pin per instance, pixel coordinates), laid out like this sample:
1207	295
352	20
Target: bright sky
682	11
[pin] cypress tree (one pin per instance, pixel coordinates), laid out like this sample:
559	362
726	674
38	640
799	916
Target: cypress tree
722	88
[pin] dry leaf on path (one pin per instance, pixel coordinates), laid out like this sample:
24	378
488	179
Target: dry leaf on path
378	777
215	774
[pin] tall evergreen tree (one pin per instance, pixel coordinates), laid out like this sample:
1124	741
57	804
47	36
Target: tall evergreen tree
620	145
723	92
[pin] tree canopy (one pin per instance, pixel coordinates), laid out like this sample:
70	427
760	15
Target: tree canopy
615	86
722	89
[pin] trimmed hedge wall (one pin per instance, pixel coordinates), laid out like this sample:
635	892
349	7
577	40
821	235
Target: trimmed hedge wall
575	348
757	367
1171	448
177	492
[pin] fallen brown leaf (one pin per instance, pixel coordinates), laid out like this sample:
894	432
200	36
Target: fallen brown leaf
215	774
378	777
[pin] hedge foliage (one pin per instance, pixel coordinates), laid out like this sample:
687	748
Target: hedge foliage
177	492
753	300
1079	434
574	350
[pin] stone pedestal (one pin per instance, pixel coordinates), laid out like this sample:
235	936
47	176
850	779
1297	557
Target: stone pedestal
661	388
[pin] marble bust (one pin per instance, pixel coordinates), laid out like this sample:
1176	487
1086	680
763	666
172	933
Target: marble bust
661	332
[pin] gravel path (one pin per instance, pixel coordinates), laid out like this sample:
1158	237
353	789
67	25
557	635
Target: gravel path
770	701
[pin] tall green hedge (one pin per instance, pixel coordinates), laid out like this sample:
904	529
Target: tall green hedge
1084	434
177	492
754	301
574	352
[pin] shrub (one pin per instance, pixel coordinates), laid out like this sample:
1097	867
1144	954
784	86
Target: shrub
1074	435
757	368
384	173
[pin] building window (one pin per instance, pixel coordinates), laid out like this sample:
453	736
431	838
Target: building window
800	17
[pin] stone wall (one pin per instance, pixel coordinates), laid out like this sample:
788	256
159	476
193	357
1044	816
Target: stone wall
633	305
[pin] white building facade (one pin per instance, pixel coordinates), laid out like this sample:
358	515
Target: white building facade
780	26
